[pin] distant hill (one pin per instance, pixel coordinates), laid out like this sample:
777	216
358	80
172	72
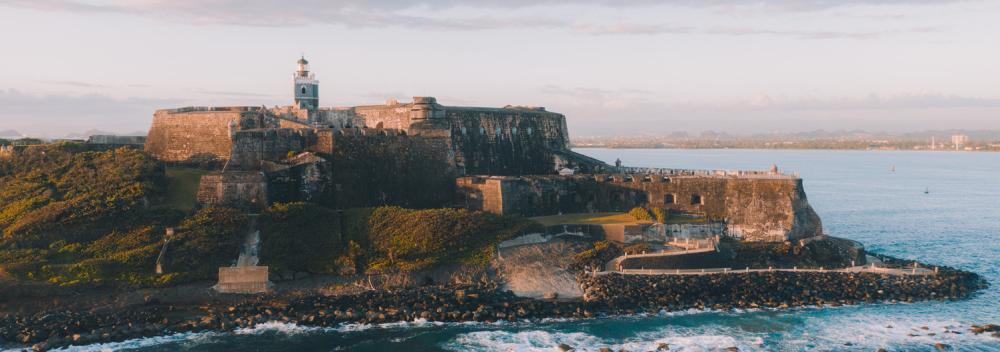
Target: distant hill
87	134
93	132
10	134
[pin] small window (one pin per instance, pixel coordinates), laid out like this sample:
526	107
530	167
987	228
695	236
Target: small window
668	199
696	199
303	89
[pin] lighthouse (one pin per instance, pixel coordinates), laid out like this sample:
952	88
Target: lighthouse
306	87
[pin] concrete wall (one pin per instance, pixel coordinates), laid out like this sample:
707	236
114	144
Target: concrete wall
753	208
243	279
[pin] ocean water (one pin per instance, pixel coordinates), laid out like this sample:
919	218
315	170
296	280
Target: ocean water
855	193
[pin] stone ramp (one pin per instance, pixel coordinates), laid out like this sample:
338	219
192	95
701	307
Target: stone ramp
537	270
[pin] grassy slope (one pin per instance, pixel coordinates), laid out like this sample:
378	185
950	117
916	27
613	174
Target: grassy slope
586	219
182	187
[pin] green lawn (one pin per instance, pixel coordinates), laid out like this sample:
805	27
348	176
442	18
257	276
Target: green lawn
182	187
586	218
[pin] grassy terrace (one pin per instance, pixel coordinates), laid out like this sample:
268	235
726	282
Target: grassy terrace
586	218
610	218
183	187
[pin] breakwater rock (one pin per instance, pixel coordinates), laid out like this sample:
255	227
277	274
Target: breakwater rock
779	289
608	294
446	303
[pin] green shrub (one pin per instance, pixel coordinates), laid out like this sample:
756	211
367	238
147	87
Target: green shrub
413	239
660	215
210	238
640	214
299	237
638	248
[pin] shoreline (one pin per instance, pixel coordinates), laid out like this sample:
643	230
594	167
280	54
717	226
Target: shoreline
606	296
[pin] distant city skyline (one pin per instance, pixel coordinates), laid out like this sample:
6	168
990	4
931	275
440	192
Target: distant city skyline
612	67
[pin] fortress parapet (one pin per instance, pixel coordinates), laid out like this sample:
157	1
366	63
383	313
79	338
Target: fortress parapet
758	174
753	207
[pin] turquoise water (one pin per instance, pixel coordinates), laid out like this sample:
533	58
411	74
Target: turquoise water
857	195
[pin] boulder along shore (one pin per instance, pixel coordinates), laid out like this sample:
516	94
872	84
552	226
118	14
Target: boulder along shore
609	294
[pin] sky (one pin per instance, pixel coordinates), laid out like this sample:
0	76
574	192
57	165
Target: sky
613	67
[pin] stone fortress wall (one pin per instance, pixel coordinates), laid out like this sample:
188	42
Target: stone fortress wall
758	208
495	141
417	154
240	189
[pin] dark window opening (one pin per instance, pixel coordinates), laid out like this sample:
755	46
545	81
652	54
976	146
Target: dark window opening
668	199
696	199
303	89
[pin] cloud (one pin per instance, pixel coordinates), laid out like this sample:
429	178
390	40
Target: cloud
239	94
77	84
432	14
54	114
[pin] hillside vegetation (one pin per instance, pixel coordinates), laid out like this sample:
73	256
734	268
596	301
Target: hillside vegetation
70	216
309	238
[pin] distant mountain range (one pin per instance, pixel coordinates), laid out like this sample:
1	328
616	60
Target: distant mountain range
846	135
10	134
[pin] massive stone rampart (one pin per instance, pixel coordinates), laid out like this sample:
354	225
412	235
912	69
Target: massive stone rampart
376	167
493	141
202	134
753	208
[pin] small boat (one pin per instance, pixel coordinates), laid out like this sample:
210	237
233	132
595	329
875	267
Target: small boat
927	190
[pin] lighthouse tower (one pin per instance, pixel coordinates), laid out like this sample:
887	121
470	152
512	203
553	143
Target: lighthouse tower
306	87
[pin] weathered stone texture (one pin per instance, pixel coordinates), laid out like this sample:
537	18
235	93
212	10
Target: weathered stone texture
754	208
371	167
494	141
305	177
506	141
191	137
250	147
241	189
200	134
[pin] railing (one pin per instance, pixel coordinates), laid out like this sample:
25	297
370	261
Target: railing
757	174
914	270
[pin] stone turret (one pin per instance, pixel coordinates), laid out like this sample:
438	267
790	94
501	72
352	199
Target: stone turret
425	108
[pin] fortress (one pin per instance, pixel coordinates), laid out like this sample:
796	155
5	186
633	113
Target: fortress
509	160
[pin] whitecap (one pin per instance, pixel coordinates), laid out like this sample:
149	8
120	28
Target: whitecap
531	340
278	326
872	331
186	337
